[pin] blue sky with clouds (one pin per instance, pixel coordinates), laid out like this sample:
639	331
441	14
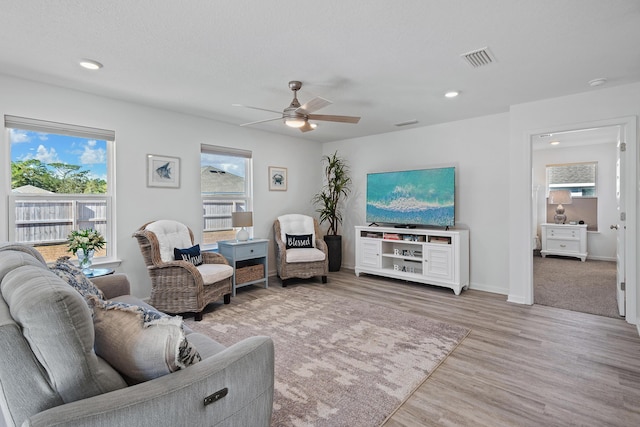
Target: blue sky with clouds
90	154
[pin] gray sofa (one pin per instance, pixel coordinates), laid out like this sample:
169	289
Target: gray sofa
75	387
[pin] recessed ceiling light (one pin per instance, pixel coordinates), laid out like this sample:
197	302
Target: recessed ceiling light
597	82
90	64
452	94
554	142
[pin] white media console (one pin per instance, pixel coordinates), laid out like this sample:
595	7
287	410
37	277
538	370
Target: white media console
434	257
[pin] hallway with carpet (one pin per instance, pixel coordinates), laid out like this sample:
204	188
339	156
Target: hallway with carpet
568	283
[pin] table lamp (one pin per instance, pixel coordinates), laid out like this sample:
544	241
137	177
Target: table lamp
559	197
242	219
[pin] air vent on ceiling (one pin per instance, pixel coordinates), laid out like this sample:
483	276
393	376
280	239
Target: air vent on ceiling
479	57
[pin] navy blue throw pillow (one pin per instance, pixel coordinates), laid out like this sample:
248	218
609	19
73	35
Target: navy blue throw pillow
191	254
297	241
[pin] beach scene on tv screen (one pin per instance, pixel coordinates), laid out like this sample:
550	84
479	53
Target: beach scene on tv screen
416	197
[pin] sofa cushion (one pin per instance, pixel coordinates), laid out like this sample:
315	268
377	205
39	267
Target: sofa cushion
297	224
191	254
304	255
139	341
56	321
12	259
64	269
170	234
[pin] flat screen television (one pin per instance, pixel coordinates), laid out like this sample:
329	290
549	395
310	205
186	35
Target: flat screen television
422	197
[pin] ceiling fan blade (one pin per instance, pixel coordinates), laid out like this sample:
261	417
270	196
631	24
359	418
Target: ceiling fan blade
261	121
306	128
256	108
314	104
330	118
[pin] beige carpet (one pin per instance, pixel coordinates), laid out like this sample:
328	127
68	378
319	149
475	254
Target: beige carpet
338	362
587	287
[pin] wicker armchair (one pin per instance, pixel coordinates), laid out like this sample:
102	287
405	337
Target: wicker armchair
295	262
180	286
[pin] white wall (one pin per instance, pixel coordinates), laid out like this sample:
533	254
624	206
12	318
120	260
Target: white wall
478	148
601	244
570	112
492	155
142	130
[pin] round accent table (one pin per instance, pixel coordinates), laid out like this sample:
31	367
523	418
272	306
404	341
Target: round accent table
98	272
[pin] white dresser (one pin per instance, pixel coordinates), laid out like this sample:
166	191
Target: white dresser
564	239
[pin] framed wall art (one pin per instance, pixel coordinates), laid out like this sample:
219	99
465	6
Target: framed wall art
163	171
277	178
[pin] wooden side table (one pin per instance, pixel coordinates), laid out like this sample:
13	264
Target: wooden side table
249	261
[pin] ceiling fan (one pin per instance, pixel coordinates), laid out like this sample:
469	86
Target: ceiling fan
298	116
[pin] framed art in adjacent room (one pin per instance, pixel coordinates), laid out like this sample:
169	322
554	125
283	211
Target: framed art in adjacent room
277	178
163	171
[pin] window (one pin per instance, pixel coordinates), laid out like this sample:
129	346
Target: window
579	178
226	187
60	181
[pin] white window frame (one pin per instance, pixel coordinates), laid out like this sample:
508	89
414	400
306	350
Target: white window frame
36	125
233	199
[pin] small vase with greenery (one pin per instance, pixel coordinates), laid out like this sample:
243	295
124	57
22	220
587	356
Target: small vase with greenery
84	243
337	186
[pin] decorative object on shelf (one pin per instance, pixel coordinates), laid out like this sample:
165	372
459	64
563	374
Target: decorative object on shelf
84	243
163	171
277	178
242	219
330	199
559	197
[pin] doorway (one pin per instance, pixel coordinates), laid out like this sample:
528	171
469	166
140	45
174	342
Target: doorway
566	282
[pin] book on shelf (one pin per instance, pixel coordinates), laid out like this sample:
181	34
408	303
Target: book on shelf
391	236
439	239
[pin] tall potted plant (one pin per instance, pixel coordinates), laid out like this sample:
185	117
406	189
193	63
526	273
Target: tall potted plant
337	185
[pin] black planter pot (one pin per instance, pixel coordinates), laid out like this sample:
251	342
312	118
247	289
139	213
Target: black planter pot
334	246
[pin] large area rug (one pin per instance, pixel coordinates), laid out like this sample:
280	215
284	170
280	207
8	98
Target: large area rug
338	362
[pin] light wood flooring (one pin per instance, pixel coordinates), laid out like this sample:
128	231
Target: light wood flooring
519	366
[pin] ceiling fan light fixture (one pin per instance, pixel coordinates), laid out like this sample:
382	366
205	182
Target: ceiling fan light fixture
294	122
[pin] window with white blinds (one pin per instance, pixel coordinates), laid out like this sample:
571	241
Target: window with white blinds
226	187
61	181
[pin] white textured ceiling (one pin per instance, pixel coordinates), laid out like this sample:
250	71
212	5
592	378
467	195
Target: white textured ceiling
386	61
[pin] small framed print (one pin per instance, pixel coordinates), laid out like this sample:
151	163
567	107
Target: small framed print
163	171
277	178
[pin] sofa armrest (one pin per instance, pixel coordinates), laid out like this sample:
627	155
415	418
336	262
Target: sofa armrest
113	285
246	369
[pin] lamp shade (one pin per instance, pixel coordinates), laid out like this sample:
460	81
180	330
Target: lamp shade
241	219
559	197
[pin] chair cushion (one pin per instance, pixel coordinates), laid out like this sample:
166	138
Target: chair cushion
56	321
304	255
297	224
170	234
139	341
191	254
212	273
